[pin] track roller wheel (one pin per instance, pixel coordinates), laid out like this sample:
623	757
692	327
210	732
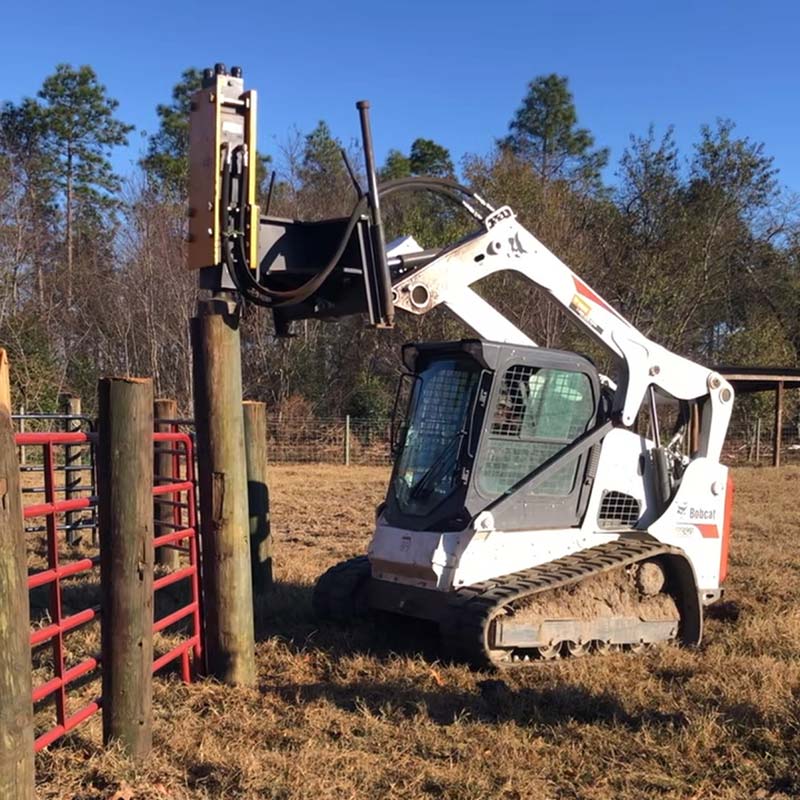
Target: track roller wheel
551	652
578	649
606	648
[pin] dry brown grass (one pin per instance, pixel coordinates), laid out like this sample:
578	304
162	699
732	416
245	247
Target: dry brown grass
339	714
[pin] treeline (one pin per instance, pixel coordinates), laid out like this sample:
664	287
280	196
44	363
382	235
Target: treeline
700	250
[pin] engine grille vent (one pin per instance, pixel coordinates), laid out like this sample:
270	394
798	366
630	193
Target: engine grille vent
618	510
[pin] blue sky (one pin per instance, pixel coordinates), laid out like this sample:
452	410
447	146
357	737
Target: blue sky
447	70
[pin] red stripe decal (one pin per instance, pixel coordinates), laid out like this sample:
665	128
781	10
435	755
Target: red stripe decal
586	292
726	530
707	531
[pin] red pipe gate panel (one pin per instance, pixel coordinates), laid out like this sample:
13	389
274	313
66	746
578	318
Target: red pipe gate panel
182	498
180	493
60	624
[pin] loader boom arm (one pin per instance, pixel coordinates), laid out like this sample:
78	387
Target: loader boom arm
507	245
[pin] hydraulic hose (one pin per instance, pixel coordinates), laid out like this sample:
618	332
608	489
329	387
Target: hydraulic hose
234	240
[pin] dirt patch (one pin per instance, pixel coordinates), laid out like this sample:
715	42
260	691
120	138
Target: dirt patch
612	594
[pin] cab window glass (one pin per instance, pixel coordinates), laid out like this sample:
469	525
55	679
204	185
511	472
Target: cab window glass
538	412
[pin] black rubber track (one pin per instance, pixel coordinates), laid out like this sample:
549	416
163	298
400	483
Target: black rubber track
339	594
466	626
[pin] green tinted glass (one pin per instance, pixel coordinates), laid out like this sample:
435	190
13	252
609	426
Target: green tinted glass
538	412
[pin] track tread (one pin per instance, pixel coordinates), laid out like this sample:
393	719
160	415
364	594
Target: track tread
471	610
335	595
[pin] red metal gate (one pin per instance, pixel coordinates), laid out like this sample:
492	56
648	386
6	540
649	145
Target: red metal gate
64	562
180	494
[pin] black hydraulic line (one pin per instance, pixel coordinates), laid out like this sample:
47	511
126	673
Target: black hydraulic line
247	285
407	261
259	294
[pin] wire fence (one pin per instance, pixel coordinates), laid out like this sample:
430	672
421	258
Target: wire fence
348	440
753	442
329	440
366	442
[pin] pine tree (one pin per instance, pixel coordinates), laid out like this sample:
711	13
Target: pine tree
81	130
545	132
167	159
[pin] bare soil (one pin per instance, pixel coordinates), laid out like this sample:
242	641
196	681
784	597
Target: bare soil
348	713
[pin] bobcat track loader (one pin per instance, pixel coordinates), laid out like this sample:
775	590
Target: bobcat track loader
525	515
531	513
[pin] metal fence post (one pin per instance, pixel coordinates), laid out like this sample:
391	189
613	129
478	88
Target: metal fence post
255	442
227	584
70	406
347	441
125	478
776	452
164	468
16	707
23	455
758	440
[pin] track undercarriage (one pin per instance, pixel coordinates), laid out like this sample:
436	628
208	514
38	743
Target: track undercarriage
628	594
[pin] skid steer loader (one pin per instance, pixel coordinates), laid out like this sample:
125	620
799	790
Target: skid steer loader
535	508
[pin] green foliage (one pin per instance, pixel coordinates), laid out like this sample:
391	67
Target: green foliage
322	156
429	158
397	166
324	187
81	129
733	173
167	159
430	220
370	398
544	132
35	374
762	341
701	255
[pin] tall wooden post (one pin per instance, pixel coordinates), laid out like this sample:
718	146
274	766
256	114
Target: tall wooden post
255	441
776	452
227	586
70	406
124	478
16	705
163	512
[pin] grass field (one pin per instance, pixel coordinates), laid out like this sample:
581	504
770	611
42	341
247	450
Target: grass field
338	714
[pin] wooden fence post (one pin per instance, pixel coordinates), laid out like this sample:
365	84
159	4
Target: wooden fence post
70	405
227	584
255	441
16	705
163	512
125	478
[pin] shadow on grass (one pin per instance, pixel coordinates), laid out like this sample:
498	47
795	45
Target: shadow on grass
286	612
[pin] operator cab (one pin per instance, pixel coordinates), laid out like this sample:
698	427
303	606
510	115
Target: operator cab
480	418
